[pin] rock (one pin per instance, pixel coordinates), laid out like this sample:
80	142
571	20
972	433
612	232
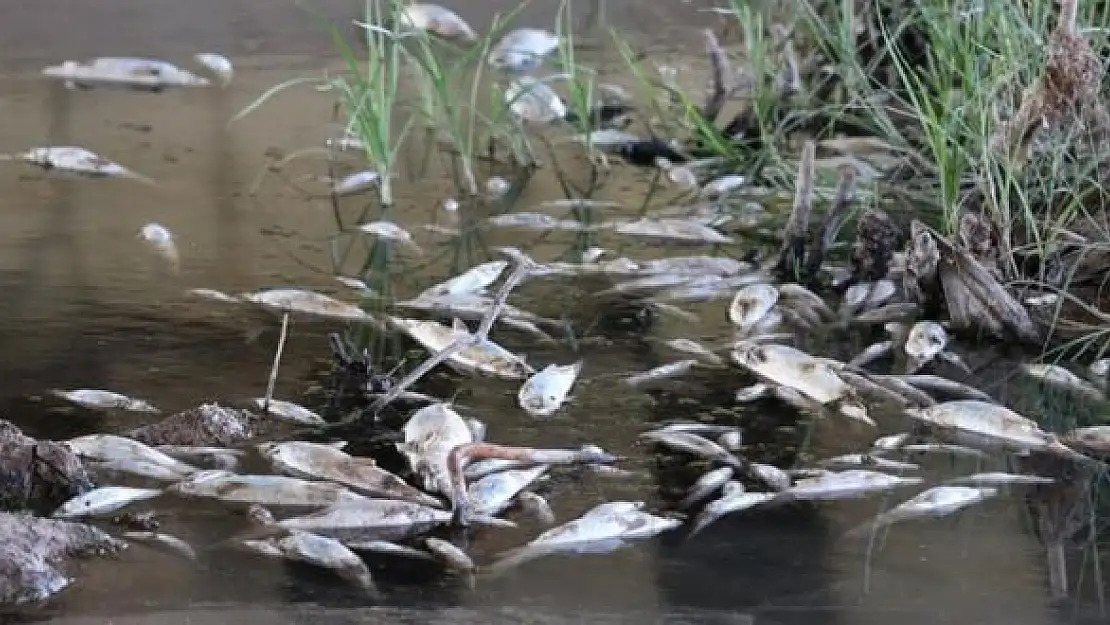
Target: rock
40	475
206	425
35	551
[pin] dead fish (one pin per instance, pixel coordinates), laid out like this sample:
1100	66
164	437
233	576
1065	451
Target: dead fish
935	502
95	399
218	64
732	440
605	528
892	442
537	221
384	547
544	393
139	468
107	448
942	448
163	542
794	369
378	519
477	429
492	494
802	299
751	304
534	101
472	281
706	485
138	73
316	461
436	20
265	490
859	461
693	444
357	285
925	341
497	187
720	187
734	501
454	559
75	160
1061	378
486	358
308	303
687	230
390	231
772	476
662	372
214	295
213	457
990	425
288	411
103	500
482	468
872	353
848	484
523	50
535	506
1098	371
888	313
1093	439
357	183
161	240
318	551
998	478
937	384
694	348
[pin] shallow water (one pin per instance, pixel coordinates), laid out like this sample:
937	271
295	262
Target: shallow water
85	306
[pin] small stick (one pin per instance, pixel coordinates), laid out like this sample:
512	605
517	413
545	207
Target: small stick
796	232
830	228
277	362
719	82
460	343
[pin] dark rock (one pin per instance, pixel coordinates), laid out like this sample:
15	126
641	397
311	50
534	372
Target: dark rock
40	475
205	425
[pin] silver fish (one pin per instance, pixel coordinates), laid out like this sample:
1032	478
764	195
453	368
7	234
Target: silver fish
318	551
384	547
436	20
161	240
212	457
77	161
218	64
111	448
693	444
706	485
96	399
307	303
1061	378
492	494
536	507
935	502
751	304
523	49
662	372
735	501
998	478
546	391
164	542
103	500
848	484
925	341
265	490
288	411
378	519
859	461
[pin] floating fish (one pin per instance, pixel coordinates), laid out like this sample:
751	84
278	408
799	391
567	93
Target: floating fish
735	501
687	230
662	372
357	285
990	425
690	443
316	461
720	187
706	485
378	519
859	461
436	20
163	542
536	507
791	368
603	529
942	448
487	358
925	341
318	551
770	475
534	101
544	393
288	411
890	443
848	484
161	240
453	558
1061	378
103	500
356	183
473	281
77	161
264	490
751	304
537	221
384	547
998	478
492	494
137	73
523	49
95	399
110	448
694	348
308	303
214	295
390	231
935	502
212	457
218	64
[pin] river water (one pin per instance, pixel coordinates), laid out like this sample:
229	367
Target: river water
84	305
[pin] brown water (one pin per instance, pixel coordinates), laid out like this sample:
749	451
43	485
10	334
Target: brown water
85	306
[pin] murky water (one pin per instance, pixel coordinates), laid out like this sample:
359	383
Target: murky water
85	305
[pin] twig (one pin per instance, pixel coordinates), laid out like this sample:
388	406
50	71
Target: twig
461	343
830	228
796	232
719	86
277	362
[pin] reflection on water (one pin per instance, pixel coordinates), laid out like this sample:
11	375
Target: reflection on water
84	305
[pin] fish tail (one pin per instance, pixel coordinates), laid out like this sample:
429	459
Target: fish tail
702	521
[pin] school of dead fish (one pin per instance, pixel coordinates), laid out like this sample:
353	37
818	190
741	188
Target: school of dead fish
322	506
